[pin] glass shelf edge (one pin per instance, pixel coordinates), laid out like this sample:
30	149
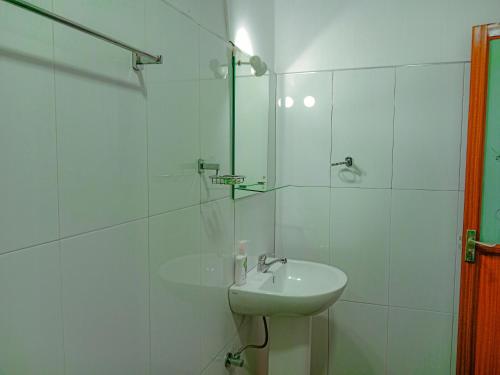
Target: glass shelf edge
259	188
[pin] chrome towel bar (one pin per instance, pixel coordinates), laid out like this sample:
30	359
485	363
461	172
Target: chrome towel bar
139	57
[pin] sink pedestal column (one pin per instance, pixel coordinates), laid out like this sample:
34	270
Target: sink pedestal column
289	346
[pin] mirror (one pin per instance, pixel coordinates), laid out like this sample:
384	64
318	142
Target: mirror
254	124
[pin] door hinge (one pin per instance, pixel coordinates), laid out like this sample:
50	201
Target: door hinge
470	246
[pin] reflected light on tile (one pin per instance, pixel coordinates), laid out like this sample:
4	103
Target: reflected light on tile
289	102
309	101
243	41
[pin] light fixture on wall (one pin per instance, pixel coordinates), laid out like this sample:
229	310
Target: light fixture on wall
259	67
221	71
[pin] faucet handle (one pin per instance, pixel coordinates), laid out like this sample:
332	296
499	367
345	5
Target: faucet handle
261	262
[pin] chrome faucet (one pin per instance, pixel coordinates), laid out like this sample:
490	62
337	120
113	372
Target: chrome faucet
263	267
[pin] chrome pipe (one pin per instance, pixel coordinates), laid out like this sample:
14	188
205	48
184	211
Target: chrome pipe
139	57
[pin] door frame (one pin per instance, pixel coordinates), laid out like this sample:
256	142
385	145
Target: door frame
481	37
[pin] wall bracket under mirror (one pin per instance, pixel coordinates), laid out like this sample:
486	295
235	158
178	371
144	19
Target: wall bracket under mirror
254	124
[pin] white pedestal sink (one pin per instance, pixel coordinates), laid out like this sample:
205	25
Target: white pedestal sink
289	294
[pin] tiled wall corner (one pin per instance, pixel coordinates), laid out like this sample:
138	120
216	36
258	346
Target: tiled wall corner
102	229
393	216
255	223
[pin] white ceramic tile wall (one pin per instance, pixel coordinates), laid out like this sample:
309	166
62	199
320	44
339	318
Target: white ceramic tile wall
174	144
101	120
213	14
303	223
418	342
358	338
366	136
176	291
28	164
393	227
105	300
423	248
173	110
458	265
465	125
320	338
427	127
31	316
255	223
217	272
322	35
360	231
101	161
303	133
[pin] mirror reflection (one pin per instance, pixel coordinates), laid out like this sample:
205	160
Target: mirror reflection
254	118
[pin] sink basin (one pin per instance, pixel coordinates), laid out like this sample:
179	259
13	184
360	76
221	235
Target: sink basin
294	289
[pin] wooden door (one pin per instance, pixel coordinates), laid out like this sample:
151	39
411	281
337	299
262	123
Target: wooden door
479	317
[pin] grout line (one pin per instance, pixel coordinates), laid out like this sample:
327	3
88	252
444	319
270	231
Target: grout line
30	247
103	228
332	141
58	192
370	188
108	227
389	306
423	189
364	303
198	204
192	19
373	67
275	159
275	214
180	208
61	296
148	204
393	126
458	230
462	140
330	218
421	310
388	261
388	285
456	253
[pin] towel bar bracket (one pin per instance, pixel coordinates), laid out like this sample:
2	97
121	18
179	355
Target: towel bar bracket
139	57
138	61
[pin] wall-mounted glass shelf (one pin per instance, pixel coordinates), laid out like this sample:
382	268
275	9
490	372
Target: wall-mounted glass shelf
258	187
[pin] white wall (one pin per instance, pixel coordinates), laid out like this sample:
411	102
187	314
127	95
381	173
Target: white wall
393	222
115	255
334	34
251	27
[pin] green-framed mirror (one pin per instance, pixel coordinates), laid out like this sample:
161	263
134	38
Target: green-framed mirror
253	113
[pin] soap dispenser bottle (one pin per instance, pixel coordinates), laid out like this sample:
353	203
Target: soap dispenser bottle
240	264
